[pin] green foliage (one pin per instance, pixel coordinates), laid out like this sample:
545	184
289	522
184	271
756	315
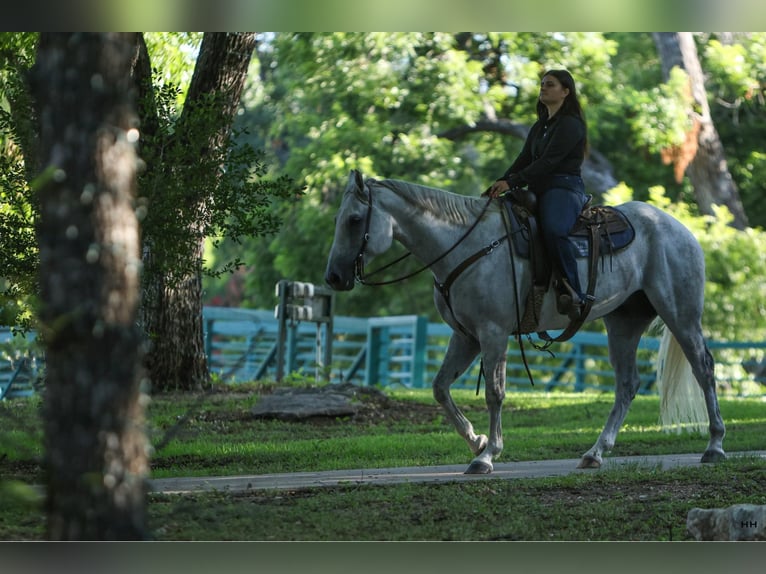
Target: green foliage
18	258
735	262
638	116
173	55
736	288
18	208
338	101
734	71
658	117
237	195
737	87
749	171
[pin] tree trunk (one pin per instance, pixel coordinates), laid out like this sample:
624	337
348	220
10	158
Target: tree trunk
96	449
172	312
702	158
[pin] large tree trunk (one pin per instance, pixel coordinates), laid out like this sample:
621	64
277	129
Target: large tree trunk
96	449
702	157
172	312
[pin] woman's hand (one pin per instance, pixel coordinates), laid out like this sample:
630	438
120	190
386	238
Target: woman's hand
496	189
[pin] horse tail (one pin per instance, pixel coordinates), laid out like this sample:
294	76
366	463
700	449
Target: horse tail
682	404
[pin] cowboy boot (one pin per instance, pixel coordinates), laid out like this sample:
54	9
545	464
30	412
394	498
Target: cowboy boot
568	301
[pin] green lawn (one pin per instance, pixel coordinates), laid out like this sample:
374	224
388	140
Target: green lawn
215	434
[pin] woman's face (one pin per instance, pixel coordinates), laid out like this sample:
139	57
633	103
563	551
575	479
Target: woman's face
552	91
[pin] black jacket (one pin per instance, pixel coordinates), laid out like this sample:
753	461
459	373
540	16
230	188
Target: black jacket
553	147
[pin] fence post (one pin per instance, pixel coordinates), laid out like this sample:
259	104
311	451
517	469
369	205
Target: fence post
377	354
208	337
280	313
419	348
579	369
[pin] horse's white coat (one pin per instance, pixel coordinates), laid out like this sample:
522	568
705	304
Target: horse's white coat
660	273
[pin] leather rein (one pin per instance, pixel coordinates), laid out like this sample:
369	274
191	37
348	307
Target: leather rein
363	278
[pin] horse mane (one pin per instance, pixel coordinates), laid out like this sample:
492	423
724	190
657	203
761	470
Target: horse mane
442	204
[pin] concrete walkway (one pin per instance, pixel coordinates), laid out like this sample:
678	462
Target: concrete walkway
448	473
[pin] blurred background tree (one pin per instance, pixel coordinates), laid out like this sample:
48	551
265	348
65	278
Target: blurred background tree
452	112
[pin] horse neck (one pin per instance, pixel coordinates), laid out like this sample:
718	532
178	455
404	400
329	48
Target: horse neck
425	232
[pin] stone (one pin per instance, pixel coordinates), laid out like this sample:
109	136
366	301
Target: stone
737	522
291	404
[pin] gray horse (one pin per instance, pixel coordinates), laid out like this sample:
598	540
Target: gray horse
660	274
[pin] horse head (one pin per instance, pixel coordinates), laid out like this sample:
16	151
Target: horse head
361	232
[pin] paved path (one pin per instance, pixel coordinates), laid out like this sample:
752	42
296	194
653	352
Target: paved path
448	473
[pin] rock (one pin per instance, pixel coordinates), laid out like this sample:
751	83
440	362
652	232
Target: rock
292	404
737	522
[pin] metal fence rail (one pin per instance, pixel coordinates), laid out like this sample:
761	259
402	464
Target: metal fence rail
241	345
407	351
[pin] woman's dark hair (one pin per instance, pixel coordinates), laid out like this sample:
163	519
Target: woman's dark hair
571	105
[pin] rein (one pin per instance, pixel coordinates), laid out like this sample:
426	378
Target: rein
516	302
361	277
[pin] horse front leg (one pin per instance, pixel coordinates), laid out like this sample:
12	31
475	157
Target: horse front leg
494	396
461	351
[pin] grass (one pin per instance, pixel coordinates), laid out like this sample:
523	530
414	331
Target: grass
630	504
218	436
536	426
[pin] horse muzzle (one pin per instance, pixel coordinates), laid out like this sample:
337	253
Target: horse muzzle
338	283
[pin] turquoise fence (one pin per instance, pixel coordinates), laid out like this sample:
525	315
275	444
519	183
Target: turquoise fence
19	365
407	351
242	345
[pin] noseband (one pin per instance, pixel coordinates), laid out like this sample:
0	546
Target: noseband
359	261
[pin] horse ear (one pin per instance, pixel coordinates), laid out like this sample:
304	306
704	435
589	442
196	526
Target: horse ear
355	178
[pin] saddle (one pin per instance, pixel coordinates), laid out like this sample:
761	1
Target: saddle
598	232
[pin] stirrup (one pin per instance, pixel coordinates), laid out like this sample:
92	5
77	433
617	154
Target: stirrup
566	297
565	304
569	302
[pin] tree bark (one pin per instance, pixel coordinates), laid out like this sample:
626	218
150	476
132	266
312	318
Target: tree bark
172	311
96	448
702	157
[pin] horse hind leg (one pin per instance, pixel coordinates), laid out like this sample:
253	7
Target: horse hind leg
688	346
624	327
680	305
714	451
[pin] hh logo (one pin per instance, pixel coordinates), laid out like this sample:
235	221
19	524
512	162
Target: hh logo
748	524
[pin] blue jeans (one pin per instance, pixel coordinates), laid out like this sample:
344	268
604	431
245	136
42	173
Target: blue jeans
558	206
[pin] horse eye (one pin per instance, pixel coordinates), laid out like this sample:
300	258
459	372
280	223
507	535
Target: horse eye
354	220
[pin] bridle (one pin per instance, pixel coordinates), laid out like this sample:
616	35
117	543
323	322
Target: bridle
361	277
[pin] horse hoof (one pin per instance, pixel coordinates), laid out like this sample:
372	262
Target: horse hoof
589	462
479	467
713	456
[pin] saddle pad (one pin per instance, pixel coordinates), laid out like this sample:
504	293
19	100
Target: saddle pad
616	231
